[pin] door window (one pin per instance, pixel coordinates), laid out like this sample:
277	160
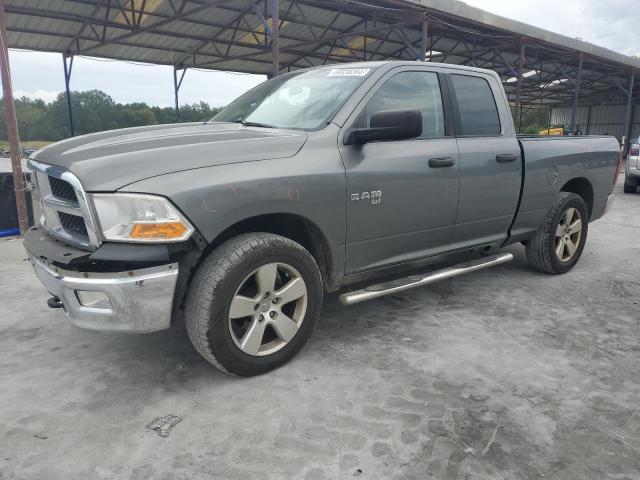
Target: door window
477	111
409	91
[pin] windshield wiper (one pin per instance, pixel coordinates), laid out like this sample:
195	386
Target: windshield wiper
254	124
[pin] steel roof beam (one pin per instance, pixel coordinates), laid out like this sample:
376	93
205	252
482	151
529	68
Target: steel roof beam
153	29
326	40
144	46
147	28
326	30
466	23
222	28
86	24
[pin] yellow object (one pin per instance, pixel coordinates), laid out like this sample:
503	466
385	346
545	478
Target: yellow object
552	131
163	230
136	8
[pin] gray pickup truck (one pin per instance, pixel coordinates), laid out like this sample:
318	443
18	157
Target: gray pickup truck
344	178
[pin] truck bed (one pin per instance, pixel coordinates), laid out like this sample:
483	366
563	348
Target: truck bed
550	164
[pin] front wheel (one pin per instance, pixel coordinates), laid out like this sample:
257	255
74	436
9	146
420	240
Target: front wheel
253	303
559	241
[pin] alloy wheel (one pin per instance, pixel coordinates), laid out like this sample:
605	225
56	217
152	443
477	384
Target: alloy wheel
568	234
267	309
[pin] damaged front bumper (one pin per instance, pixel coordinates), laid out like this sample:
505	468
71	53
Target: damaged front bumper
136	301
117	288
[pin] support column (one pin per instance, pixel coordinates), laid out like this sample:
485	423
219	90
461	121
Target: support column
67	79
628	111
576	95
176	89
19	185
520	118
517	114
364	43
425	38
275	35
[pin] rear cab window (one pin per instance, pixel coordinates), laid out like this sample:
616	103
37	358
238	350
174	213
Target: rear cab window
475	108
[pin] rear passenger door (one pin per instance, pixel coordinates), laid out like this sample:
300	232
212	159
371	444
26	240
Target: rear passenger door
490	165
401	206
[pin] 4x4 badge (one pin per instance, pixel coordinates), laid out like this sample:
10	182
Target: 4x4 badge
374	196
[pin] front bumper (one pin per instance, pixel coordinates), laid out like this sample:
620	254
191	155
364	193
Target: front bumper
134	301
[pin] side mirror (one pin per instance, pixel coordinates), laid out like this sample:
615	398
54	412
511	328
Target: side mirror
388	125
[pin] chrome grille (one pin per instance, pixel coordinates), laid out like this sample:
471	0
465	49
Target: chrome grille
65	210
62	189
73	223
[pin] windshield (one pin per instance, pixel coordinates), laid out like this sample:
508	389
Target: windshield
300	100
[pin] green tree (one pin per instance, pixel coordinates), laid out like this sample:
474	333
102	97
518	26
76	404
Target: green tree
164	114
197	112
533	119
32	116
135	114
94	111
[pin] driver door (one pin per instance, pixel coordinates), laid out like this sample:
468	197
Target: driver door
402	196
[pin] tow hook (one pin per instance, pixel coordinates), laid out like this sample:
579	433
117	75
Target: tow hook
54	302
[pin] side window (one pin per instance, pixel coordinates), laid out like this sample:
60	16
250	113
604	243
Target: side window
410	91
476	106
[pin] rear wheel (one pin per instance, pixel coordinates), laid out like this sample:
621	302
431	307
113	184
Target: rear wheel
253	303
630	186
559	242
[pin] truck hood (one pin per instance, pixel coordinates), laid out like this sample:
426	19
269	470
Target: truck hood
107	161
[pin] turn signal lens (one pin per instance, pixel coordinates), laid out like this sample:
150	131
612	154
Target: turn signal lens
168	231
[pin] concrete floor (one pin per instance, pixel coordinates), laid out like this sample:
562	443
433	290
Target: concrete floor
502	374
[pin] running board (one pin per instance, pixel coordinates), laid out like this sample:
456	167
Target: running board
395	286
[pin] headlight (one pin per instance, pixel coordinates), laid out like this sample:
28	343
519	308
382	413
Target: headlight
131	217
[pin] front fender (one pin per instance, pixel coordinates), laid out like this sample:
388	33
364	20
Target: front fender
311	185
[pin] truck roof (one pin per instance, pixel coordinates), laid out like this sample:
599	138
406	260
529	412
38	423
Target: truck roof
396	63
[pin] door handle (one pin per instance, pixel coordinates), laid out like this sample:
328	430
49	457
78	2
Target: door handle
506	157
442	162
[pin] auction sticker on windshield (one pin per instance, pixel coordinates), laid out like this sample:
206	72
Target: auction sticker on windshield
348	72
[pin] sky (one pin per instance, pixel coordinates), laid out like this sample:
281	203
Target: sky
41	75
607	23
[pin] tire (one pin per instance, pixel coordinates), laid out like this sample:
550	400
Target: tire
630	186
231	276
543	249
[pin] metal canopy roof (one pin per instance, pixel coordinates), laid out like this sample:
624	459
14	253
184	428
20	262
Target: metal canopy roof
236	36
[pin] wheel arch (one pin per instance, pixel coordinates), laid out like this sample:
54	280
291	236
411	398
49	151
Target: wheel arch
582	187
295	227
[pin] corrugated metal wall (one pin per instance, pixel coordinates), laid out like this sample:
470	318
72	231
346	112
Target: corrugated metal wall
598	120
